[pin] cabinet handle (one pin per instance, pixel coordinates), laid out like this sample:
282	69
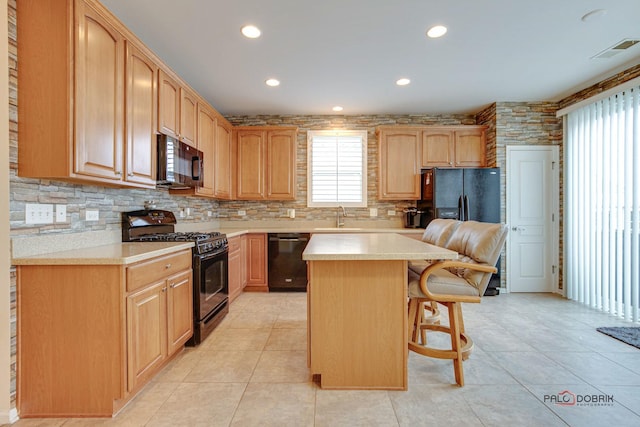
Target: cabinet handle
168	265
118	173
164	289
173	285
130	175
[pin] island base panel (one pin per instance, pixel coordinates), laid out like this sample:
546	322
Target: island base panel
357	324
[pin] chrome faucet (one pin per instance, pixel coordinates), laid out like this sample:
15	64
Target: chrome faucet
344	215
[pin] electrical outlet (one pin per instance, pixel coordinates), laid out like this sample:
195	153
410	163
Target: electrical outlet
209	213
373	212
61	213
291	213
188	211
242	213
391	213
36	213
92	215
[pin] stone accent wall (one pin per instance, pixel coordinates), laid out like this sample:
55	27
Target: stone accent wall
487	117
618	79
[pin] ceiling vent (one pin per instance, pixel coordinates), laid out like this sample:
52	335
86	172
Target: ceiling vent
617	48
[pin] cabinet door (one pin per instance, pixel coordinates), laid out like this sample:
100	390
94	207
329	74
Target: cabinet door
168	105
250	173
257	262
399	169
141	90
179	310
243	260
438	148
146	332
188	117
99	97
235	268
281	165
470	148
222	161
206	144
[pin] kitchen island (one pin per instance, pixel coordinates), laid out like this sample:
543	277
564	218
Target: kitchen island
357	307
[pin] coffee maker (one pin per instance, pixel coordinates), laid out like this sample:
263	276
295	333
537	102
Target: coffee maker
414	218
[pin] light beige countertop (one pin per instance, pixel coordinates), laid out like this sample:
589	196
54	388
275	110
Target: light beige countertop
371	246
233	232
111	254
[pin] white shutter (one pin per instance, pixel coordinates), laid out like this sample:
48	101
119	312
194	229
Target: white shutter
337	169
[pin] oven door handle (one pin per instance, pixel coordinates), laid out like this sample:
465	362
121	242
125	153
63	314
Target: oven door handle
207	257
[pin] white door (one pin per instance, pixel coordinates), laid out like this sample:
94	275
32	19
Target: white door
532	216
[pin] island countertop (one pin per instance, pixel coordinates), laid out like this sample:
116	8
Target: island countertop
371	246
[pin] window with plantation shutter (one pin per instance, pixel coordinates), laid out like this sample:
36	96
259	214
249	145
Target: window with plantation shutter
337	168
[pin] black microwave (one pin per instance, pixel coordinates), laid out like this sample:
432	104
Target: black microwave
179	164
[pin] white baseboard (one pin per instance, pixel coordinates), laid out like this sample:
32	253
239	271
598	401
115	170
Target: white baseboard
9	417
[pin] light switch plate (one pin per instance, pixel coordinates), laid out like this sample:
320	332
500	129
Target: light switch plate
373	212
38	213
391	213
242	213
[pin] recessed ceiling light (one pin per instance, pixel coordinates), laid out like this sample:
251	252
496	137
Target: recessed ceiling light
437	31
403	82
594	14
337	108
272	82
251	31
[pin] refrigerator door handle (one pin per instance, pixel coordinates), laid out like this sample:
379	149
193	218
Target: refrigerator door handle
460	209
466	208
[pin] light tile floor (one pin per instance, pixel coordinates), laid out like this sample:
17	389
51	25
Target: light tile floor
252	371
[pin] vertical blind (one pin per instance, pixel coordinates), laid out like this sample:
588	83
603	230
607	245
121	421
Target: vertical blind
337	169
602	244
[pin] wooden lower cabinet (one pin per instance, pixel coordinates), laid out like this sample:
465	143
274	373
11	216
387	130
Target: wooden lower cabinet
237	266
146	333
91	336
257	262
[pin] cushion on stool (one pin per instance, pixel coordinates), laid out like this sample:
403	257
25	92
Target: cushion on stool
440	282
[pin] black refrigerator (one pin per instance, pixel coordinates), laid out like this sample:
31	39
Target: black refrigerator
466	194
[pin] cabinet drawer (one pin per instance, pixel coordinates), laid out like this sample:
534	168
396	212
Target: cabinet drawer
234	244
154	269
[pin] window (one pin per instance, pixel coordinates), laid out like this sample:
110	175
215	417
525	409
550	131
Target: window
337	168
602	243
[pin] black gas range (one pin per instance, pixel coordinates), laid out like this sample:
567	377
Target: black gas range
210	263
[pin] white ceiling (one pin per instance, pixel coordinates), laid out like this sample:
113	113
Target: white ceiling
351	52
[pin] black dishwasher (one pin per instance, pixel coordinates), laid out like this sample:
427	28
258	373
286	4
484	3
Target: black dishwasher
287	270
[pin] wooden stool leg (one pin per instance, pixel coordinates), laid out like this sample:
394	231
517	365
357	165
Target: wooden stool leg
454	324
413	324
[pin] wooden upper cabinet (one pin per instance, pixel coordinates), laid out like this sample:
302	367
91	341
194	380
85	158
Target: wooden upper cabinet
438	148
99	101
251	164
223	157
206	144
454	146
266	163
281	160
188	117
168	105
399	151
470	148
177	110
141	95
72	118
